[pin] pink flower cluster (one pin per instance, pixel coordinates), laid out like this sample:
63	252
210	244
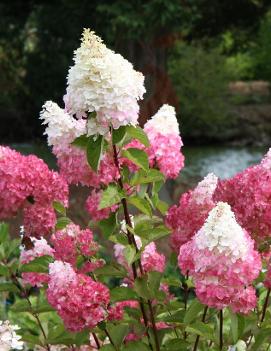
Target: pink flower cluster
152	260
80	301
163	132
249	194
92	205
71	242
165	143
25	178
116	311
189	216
74	168
40	248
222	261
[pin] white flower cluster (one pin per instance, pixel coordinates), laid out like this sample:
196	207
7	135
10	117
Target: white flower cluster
101	80
61	274
164	121
61	127
205	189
8	337
222	233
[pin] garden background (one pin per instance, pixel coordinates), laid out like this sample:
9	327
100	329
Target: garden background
210	59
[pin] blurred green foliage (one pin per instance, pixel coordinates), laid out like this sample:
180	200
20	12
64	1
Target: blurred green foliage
262	49
201	79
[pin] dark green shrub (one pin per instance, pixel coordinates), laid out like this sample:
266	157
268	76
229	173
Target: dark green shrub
201	81
262	51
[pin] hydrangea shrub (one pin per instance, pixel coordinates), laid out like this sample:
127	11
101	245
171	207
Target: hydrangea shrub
60	291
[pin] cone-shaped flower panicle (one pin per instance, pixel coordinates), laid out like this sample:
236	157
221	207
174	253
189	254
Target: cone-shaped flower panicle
188	217
163	132
102	81
222	260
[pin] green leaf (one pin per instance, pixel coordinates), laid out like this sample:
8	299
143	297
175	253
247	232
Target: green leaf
31	339
119	238
6	286
122	294
4	232
260	338
154	279
118	135
135	346
107	348
176	345
62	223
138	157
234	326
108	225
141	204
173	317
129	254
117	333
153	234
142	289
202	329
81	141
110	196
139	134
144	177
194	309
94	152
156	187
4	271
39	265
111	270
58	206
159	204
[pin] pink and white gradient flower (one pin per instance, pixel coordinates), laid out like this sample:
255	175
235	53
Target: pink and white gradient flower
41	248
189	216
80	301
222	261
165	150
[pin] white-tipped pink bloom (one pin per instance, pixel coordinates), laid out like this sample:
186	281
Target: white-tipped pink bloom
222	260
102	81
80	301
165	151
186	218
